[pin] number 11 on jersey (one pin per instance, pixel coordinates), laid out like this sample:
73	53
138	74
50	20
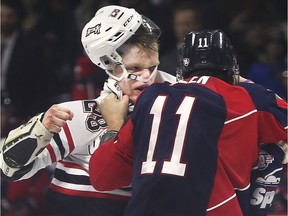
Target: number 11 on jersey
173	166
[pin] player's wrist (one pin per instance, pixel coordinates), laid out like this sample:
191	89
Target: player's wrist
115	125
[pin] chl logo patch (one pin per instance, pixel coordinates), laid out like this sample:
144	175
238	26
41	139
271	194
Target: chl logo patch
264	160
95	29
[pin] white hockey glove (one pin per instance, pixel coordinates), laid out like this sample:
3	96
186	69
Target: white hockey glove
24	144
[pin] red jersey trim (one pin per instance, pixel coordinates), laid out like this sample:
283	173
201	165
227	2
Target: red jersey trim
69	138
51	153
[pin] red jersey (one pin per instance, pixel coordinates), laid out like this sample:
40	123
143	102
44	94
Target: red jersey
189	147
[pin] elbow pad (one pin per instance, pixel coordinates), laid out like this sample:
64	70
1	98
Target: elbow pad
25	142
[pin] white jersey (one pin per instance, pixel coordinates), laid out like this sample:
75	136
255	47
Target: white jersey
72	148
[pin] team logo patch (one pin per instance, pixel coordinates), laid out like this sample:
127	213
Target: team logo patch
186	61
95	29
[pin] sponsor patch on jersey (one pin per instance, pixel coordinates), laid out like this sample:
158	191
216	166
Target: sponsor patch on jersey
270	180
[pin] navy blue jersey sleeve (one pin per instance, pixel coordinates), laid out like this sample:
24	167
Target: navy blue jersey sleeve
267	101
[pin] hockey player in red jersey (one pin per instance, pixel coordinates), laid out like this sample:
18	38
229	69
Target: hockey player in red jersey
124	43
189	147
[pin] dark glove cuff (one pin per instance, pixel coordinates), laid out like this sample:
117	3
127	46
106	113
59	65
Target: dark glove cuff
112	134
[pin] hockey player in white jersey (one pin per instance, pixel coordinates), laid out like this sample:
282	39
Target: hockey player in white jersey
124	44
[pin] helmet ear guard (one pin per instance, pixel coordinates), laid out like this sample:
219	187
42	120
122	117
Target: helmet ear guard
208	52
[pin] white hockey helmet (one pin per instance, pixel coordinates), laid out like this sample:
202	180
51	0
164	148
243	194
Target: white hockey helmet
111	27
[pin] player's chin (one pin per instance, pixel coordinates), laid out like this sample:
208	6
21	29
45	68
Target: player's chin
134	95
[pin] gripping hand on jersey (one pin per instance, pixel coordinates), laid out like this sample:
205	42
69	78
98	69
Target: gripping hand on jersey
55	118
114	111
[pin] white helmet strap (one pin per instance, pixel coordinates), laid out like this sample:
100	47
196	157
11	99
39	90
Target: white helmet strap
130	75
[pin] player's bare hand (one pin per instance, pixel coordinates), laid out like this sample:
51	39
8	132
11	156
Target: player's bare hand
114	111
55	118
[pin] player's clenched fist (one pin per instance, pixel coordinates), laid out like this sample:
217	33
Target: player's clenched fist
55	118
114	111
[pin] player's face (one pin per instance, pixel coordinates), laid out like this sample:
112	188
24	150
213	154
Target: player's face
184	22
141	63
9	20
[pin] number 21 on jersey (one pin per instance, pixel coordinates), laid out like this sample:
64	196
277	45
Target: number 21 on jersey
173	166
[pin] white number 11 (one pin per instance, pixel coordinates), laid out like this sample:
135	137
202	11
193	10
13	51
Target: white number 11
174	166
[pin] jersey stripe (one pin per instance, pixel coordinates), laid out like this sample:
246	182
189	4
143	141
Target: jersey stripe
59	143
222	203
240	117
71	165
77	179
51	153
243	189
85	192
69	138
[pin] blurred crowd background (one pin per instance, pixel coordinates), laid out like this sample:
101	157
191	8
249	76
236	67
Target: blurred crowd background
43	62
